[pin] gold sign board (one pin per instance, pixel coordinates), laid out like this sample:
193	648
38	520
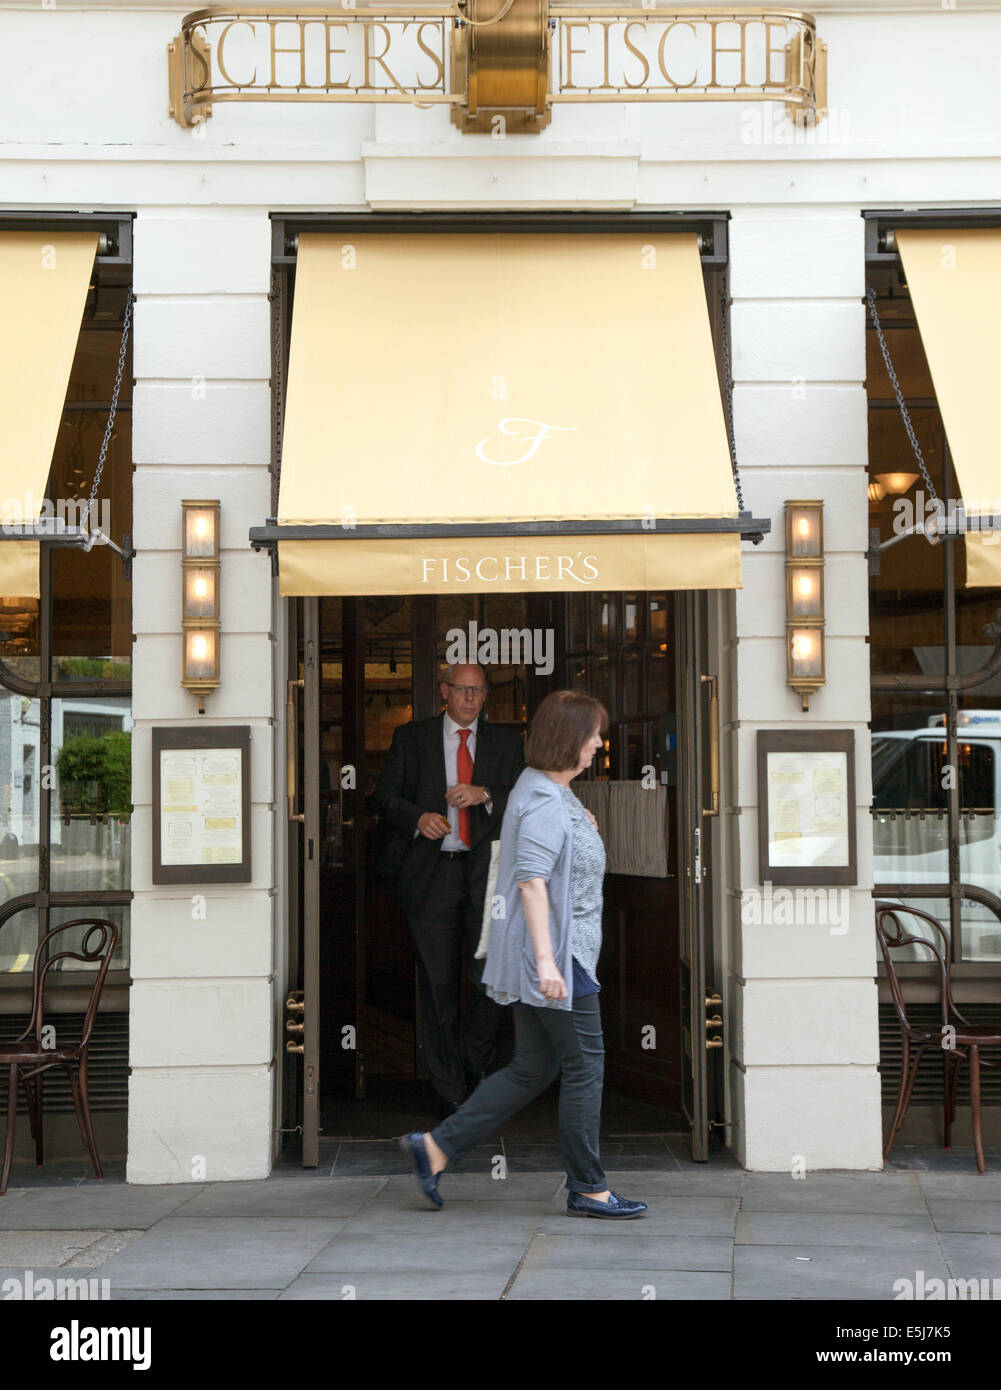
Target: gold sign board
498	64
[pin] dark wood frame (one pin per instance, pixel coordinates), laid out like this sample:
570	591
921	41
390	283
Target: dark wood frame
230	736
806	741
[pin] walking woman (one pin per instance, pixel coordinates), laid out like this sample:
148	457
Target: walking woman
545	937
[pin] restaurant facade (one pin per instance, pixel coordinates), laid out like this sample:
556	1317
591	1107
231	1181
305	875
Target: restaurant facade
640	350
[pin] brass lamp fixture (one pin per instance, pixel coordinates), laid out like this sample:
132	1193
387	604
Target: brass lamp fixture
200	597
896	484
805	597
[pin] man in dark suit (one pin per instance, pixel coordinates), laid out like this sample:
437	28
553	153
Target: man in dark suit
455	765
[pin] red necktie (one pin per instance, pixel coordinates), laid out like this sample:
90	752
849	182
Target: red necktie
464	768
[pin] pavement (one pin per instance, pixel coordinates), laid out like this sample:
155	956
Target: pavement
713	1232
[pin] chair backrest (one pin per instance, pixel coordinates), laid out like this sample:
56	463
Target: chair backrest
98	944
891	933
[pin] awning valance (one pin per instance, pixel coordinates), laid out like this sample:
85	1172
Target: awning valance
954	278
503	412
44	278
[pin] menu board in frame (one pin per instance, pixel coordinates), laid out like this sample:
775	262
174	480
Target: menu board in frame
201	805
806	806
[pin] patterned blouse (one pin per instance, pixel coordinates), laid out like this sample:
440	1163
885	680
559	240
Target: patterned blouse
587	872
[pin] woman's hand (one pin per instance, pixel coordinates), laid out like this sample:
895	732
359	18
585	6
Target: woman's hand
551	982
591	818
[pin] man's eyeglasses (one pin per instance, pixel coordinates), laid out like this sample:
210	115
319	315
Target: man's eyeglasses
478	691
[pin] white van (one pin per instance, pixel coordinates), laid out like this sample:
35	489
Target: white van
911	827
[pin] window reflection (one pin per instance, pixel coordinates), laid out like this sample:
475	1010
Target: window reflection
92	804
73	940
18	934
914	782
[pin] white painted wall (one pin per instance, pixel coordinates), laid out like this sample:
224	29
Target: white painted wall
914	122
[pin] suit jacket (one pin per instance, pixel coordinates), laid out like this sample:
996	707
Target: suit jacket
412	781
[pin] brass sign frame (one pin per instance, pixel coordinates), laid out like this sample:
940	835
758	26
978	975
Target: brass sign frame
500	65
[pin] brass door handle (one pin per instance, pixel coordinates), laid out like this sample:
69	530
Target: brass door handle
349	823
291	751
713	745
714	1042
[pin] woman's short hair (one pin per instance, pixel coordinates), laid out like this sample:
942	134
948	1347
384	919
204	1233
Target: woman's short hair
560	727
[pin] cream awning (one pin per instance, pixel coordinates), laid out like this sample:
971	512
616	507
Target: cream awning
954	279
547	385
44	277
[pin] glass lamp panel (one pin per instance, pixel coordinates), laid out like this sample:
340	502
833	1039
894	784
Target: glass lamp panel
806	591
804	535
806	652
201	533
200	593
200	654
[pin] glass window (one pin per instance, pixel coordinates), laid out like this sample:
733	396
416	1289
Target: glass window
73	751
18	934
91	836
921	802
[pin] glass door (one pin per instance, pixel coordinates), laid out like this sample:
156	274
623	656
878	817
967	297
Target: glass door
698	804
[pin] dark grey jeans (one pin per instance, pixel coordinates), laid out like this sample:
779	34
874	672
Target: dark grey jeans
548	1043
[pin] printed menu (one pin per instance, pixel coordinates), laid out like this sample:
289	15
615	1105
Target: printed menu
201	806
807	809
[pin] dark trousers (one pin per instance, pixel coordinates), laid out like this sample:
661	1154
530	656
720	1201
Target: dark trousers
548	1043
447	919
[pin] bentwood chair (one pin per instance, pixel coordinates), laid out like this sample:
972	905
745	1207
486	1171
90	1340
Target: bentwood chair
960	1041
29	1057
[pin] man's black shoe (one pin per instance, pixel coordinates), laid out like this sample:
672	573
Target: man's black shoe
615	1209
413	1146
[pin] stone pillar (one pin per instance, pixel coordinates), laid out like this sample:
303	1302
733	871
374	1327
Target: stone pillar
201	1030
802	995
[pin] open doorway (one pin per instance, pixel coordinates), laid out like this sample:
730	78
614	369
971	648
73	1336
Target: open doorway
379	665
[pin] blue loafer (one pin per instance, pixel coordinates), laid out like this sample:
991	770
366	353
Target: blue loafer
615	1209
413	1146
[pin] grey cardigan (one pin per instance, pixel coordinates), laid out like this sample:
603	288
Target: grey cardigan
536	841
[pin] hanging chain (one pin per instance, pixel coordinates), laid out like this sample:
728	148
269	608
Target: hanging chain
85	519
728	393
870	295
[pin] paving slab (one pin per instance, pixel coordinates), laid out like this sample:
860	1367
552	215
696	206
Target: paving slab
701	1182
456	1221
218	1252
973	1256
950	1214
107	1208
55	1248
974	1187
622	1285
898	1230
629	1250
328	1197
350	1255
826	1272
201	1295
406	1286
516	1187
833	1192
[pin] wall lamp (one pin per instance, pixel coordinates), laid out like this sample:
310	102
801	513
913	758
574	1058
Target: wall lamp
200	597
805	597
